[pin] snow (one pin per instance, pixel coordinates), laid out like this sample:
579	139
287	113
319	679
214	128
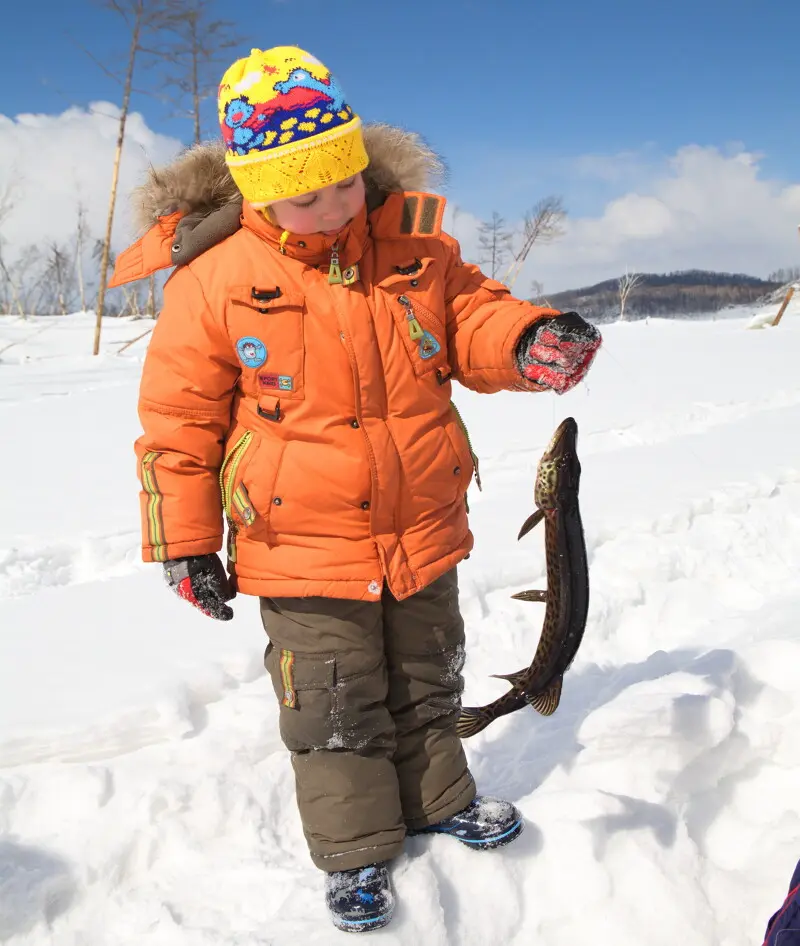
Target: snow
144	792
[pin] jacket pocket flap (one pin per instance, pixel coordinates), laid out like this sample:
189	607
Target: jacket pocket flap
313	671
265	298
294	673
406	272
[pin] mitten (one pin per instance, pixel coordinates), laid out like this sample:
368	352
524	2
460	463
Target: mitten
557	352
201	580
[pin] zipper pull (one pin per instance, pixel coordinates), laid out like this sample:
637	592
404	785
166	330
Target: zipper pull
335	271
414	328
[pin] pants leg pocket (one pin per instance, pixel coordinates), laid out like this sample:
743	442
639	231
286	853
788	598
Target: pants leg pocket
427	655
304	685
360	716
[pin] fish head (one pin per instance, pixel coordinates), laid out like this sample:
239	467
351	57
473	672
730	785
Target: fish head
559	470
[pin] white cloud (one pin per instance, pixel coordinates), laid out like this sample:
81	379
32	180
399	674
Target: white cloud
52	161
703	208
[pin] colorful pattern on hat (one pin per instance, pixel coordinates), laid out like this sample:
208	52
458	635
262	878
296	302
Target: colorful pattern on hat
286	125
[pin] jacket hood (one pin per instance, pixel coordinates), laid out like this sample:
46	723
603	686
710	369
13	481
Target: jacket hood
198	181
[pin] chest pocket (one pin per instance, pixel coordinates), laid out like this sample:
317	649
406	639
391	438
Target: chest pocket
266	327
415	295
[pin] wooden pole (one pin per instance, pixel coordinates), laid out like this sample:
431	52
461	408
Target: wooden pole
104	259
782	309
133	341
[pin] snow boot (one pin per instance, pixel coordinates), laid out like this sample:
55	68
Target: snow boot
484	824
360	899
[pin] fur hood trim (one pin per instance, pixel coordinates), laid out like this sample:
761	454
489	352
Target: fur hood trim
198	180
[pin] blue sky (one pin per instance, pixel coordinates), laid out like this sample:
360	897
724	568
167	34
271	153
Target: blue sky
577	97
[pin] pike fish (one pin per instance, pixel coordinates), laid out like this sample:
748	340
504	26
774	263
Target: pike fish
566	599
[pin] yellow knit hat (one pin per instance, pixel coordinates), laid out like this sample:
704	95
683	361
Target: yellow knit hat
287	127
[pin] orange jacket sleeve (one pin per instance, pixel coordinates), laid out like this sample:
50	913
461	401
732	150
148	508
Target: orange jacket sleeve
484	324
188	380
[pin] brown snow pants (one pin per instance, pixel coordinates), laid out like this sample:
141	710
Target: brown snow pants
369	696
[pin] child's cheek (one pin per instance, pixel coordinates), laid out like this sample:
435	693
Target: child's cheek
294	220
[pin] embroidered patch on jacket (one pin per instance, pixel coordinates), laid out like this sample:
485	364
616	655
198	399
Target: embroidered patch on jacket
252	351
289	698
285	382
269	381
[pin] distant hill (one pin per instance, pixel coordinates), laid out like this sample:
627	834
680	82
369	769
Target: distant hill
670	295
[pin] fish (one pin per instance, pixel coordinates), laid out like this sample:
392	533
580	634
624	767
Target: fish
566	599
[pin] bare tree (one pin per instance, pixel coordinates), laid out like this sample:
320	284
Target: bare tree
627	284
57	284
26	274
7	204
143	19
151	297
542	224
133	301
81	237
192	50
494	243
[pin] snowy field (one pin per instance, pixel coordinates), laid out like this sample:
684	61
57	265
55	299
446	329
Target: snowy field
145	797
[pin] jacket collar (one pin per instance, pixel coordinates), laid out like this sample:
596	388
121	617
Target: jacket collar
313	249
401	215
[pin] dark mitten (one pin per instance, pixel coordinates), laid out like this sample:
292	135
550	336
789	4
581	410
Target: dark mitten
201	580
557	352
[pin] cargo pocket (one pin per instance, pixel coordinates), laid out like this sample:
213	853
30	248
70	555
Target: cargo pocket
359	715
271	320
414	296
303	684
459	438
263	491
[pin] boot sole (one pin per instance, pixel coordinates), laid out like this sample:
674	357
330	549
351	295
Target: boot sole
481	844
364	925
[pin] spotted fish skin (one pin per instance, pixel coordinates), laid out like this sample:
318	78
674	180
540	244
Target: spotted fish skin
567	596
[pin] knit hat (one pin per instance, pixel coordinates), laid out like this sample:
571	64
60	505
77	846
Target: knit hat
287	127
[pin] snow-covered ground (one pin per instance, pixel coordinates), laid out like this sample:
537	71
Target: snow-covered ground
144	793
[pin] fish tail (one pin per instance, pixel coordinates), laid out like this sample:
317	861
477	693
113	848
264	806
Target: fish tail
547	702
471	721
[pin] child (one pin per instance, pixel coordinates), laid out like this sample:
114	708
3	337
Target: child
297	385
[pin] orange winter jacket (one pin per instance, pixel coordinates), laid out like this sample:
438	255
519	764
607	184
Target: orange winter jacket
315	418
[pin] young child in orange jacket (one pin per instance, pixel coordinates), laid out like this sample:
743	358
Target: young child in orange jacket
297	387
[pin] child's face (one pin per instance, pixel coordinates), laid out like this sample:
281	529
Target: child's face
325	210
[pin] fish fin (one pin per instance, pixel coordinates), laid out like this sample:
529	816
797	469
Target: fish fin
531	595
470	722
515	679
547	703
531	522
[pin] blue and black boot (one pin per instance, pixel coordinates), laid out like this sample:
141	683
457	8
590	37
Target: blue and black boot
484	824
361	899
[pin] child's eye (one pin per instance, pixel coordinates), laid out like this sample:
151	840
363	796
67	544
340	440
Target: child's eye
347	185
308	203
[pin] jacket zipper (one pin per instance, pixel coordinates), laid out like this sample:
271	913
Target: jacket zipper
472	453
230	465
